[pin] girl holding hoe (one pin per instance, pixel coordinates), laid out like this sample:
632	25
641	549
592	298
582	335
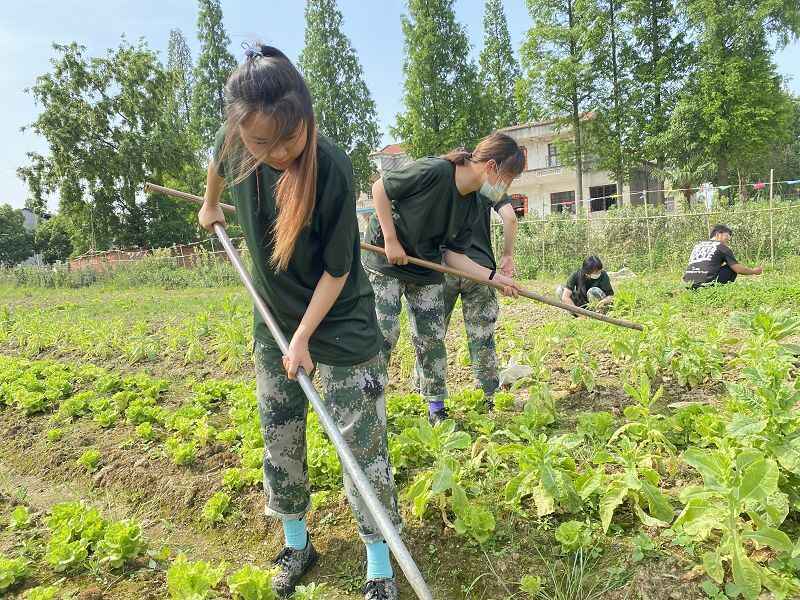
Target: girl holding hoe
293	191
426	210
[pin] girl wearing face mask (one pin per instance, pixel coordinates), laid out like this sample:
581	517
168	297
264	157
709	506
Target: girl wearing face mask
426	210
589	284
293	191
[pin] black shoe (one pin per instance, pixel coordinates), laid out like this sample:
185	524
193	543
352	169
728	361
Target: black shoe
381	589
292	564
489	404
437	416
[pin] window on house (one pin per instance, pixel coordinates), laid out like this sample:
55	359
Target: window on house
562	202
602	197
552	156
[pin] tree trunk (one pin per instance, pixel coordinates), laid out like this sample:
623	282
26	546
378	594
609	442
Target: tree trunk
658	116
722	171
576	120
620	168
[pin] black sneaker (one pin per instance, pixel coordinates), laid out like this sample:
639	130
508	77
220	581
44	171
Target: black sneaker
489	403
437	416
293	564
381	589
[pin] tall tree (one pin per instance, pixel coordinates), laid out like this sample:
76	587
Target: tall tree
608	130
16	243
785	158
343	106
558	56
105	120
733	109
499	71
442	98
656	58
179	66
214	65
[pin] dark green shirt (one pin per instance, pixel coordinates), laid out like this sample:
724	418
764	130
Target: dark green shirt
349	333
580	299
481	249
429	213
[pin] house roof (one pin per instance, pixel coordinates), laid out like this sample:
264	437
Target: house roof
587	116
390	149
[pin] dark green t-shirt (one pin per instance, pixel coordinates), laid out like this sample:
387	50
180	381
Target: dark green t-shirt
349	333
429	213
481	249
604	283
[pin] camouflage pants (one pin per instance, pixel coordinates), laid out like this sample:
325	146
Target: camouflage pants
354	397
426	317
594	294
480	309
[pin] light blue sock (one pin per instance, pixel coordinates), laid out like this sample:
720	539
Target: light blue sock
296	533
378	564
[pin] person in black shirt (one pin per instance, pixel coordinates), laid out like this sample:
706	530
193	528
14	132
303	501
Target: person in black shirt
712	261
479	302
590	283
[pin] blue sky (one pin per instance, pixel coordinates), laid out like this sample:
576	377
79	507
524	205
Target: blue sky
28	27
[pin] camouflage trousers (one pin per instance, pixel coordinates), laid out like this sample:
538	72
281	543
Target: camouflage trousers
354	397
480	309
594	294
426	317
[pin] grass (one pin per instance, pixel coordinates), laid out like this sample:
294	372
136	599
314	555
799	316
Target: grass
691	350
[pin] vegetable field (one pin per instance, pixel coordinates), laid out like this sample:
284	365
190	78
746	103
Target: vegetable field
621	465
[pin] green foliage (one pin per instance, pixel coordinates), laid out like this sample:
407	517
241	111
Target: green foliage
16	243
499	70
145	431
573	535
215	508
252	583
735	483
12	572
344	109
503	401
181	453
20	518
213	67
52	239
41	592
90	459
75	529
636	481
192	580
101	117
312	591
442	99
733	104
121	543
557	56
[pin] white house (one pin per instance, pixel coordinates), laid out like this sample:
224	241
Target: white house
545	186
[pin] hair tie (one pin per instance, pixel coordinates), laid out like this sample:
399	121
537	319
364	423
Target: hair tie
250	52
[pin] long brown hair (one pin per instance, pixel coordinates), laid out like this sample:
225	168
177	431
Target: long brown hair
267	82
501	148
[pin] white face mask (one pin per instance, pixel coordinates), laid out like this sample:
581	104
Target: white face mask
595	275
494	192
